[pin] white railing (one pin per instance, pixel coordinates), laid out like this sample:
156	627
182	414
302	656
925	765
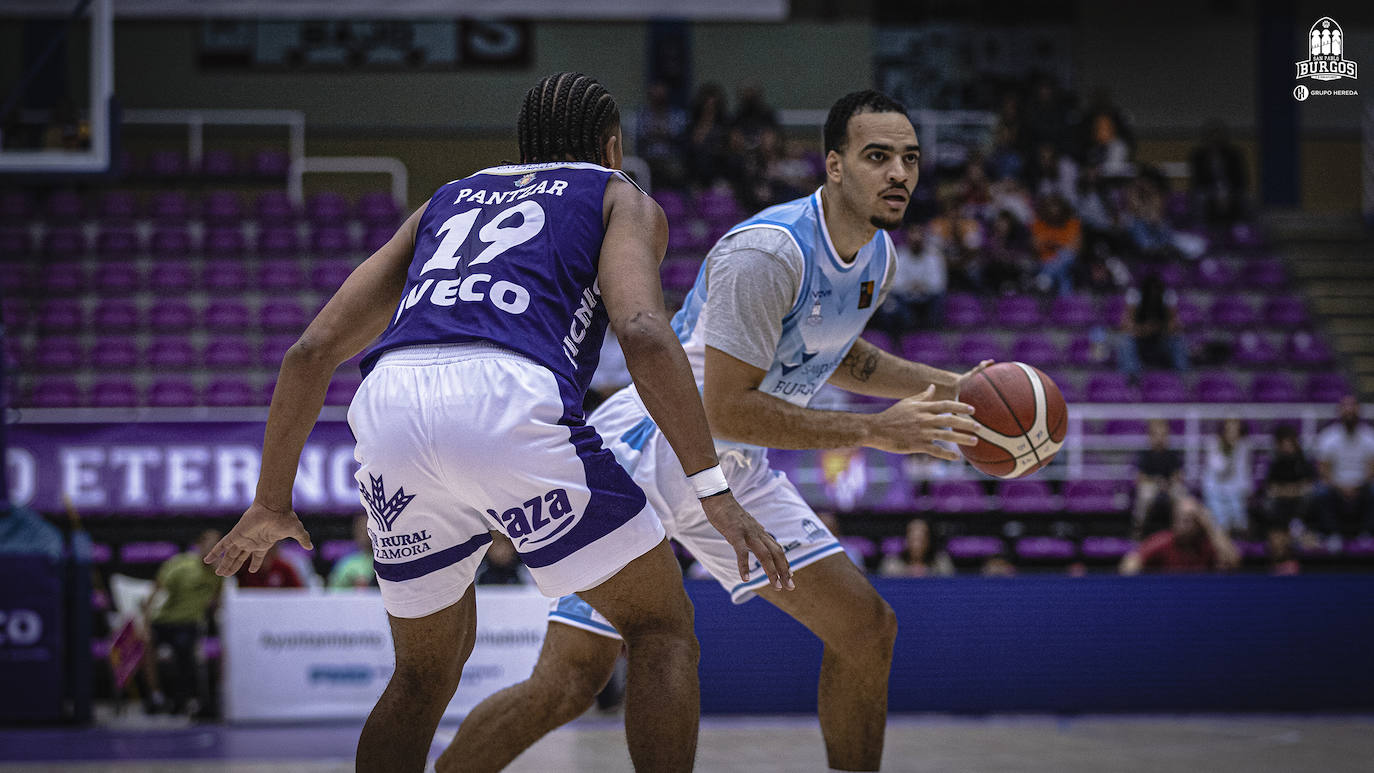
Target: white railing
195	122
400	179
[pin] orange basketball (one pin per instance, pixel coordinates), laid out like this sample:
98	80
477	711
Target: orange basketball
1022	418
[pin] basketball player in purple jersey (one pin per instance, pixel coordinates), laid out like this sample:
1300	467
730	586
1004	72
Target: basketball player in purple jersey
491	303
776	313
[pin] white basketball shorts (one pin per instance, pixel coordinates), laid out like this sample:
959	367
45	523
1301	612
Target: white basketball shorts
459	439
764	492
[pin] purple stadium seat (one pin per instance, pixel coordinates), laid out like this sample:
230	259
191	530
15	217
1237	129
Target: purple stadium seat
113	393
1082	353
964	310
1251	548
1094	496
230	353
1307	350
927	348
171	277
892	546
1230	311
277	240
18	280
116	316
274	208
223	208
376	236
170	207
1036	349
327	208
281	276
1286	311
64	207
1327	387
225	277
274	349
171	353
1109	548
147	552
1360	547
167	164
1124	427
1215	274
118	207
673	204
1045	549
171	242
114	352
341	389
15	242
333	550
1265	274
272	164
860	545
230	314
1018	311
1027	496
224	242
328	275
231	391
1246	236
1162	387
63	278
957	496
1189	312
976	347
64	241
1274	388
718	204
1074	311
974	548
15	311
171	316
378	208
16	206
331	240
1110	388
219	163
173	392
879	339
61	316
117	241
1253	349
283	314
55	392
1218	388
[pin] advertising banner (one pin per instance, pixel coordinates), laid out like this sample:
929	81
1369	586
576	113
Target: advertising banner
328	655
31	656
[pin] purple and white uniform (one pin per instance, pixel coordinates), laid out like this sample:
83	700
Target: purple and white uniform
469	417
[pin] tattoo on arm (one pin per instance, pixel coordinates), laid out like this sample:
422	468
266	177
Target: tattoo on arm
860	364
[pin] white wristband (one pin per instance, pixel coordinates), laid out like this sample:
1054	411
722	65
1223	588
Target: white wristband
709	482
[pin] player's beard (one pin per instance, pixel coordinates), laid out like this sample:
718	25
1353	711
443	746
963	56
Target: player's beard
887	224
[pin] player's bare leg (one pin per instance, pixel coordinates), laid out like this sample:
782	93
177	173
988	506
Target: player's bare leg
573	667
430	653
858	628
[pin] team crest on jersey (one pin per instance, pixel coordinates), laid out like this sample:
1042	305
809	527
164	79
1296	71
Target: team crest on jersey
384	510
866	294
526	180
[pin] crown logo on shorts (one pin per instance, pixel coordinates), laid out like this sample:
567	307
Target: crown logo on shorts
384	510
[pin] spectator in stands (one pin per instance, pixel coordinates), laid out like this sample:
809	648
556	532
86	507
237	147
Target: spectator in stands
1279	546
917	297
355	569
1193	543
1344	499
1108	152
753	115
24	531
1150	330
502	565
275	572
1005	161
1217	177
1159	476
1044	114
191	588
1227	476
661	137
998	566
1148	234
707	136
920	557
1288	483
1051	172
1058	236
960	238
1007	259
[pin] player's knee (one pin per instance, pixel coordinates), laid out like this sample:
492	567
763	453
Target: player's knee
431	681
871	634
671	621
885	629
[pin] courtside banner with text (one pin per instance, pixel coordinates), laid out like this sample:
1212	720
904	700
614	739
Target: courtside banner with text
327	655
714	10
170	468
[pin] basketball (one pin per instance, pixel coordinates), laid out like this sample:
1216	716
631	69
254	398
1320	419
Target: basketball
1022	419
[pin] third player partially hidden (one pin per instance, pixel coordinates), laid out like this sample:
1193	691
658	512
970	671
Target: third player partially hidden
775	314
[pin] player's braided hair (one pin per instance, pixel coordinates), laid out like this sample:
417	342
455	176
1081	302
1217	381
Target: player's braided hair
566	115
850	105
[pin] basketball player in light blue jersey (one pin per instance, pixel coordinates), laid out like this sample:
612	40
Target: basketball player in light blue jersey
775	313
488	308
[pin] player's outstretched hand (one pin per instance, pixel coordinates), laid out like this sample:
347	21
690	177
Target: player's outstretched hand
913	425
746	536
965	376
256	532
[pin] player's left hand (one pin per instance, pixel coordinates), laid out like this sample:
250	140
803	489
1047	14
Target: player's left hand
964	377
256	532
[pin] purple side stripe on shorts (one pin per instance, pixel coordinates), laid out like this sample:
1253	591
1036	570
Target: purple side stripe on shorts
430	563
